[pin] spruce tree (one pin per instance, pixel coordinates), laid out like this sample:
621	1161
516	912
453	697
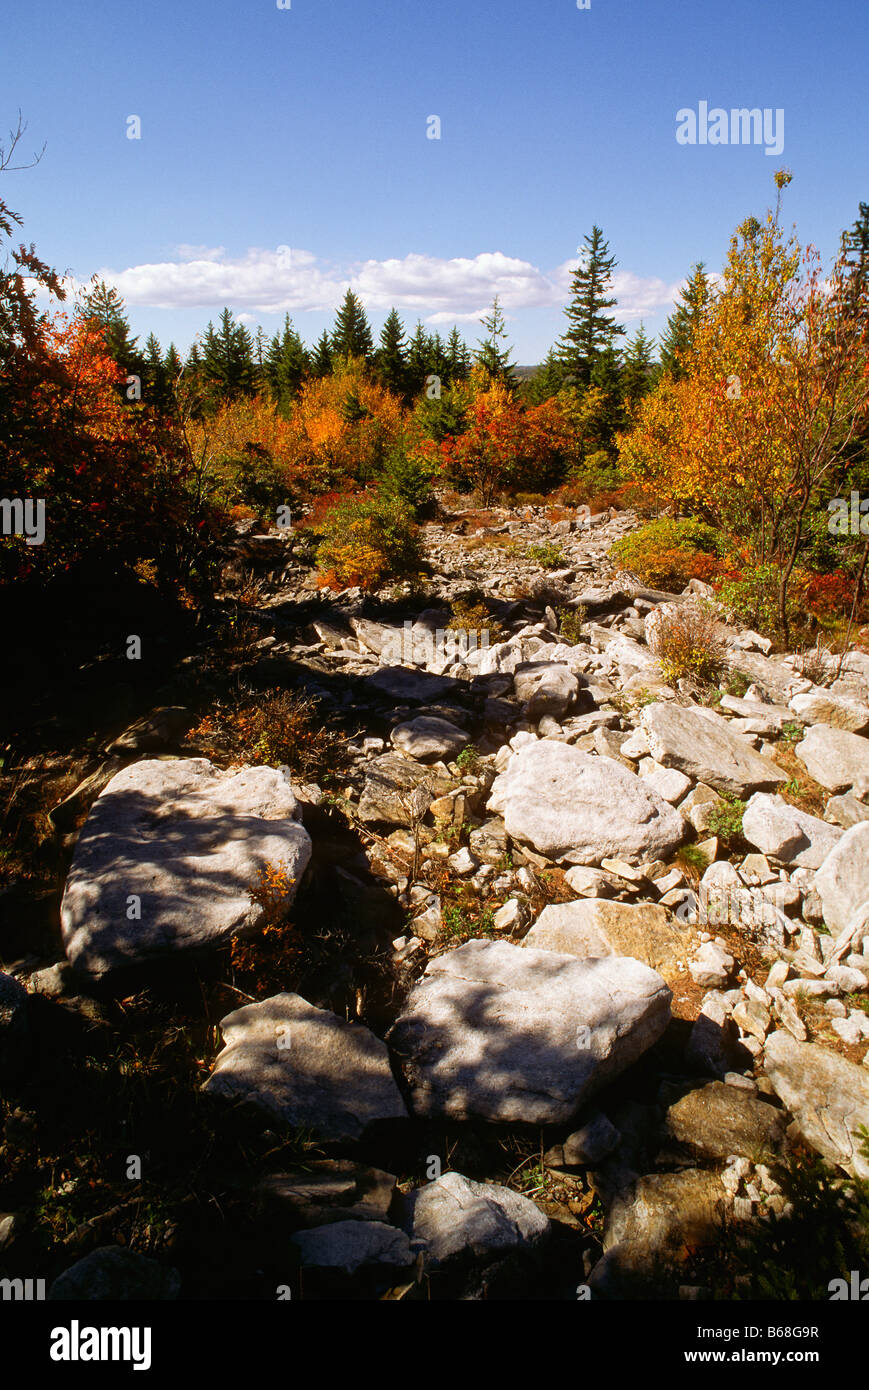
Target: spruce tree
547	381
591	331
391	358
419	357
103	303
638	369
855	247
458	357
284	365
493	351
321	359
155	379
351	336
682	324
227	360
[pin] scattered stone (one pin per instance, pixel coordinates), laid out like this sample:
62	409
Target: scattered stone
595	927
168	856
827	1095
113	1273
306	1066
426	738
454	1217
399	791
719	1119
786	833
350	1246
843	879
834	757
581	807
822	707
504	1033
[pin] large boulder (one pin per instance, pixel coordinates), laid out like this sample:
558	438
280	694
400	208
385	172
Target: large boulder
717	1120
168	856
787	834
428	737
546	688
113	1273
582	807
706	750
308	1067
843	879
397	791
827	1095
455	1217
834	757
594	927
840	712
499	1032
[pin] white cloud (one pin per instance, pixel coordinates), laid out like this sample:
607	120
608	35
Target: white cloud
440	290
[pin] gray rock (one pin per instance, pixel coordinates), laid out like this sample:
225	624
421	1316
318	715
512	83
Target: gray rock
352	1245
581	807
400	683
545	688
588	1146
426	738
845	810
706	750
827	1096
718	1120
651	1225
397	789
332	1189
307	1066
159	729
786	833
843	879
113	1273
488	842
594	927
188	841
712	966
500	1032
834	757
822	707
455	1217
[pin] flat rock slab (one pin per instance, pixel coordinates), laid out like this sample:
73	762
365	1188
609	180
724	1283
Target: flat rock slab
306	1066
455	1217
187	840
113	1273
352	1245
428	737
821	707
843	879
500	1032
786	833
582	807
397	788
595	927
834	757
706	750
402	683
652	1225
716	1121
827	1095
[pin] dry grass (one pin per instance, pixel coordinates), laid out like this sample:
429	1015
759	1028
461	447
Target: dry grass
801	790
687	644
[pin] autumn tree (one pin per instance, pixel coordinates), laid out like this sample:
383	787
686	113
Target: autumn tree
774	391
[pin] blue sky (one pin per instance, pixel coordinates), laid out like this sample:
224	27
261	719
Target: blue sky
306	129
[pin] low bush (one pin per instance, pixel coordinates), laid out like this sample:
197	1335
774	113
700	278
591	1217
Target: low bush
669	552
686	643
367	539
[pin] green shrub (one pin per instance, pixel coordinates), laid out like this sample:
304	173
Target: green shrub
548	555
669	552
367	539
408	480
726	821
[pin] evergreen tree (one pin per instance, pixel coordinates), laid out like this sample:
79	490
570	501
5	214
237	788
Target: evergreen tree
638	369
391	359
419	357
547	381
682	324
493	351
458	357
227	360
855	246
155	380
103	303
591	331
606	381
284	365
321	360
351	336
